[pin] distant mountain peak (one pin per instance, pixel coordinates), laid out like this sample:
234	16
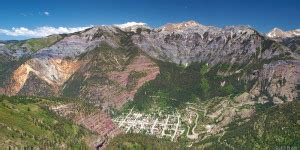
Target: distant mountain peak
277	29
278	33
180	26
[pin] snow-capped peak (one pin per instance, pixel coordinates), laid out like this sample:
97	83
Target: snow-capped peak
278	33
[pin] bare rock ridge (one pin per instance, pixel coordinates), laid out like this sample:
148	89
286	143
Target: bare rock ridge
189	42
180	26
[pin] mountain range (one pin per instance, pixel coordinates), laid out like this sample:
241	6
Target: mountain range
238	75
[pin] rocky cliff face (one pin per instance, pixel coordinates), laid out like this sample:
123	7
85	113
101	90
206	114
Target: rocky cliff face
277	82
192	42
293	43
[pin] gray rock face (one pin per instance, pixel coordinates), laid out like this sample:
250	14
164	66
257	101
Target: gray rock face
191	42
79	43
293	43
278	80
4	51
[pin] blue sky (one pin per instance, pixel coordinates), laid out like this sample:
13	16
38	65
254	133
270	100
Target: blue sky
260	14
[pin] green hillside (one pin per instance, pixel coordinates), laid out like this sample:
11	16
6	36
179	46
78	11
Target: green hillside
142	142
178	84
27	122
270	128
36	44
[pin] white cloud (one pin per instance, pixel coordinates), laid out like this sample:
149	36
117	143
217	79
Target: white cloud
130	24
40	31
46	13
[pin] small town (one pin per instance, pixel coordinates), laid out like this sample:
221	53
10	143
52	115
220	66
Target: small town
162	124
167	126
